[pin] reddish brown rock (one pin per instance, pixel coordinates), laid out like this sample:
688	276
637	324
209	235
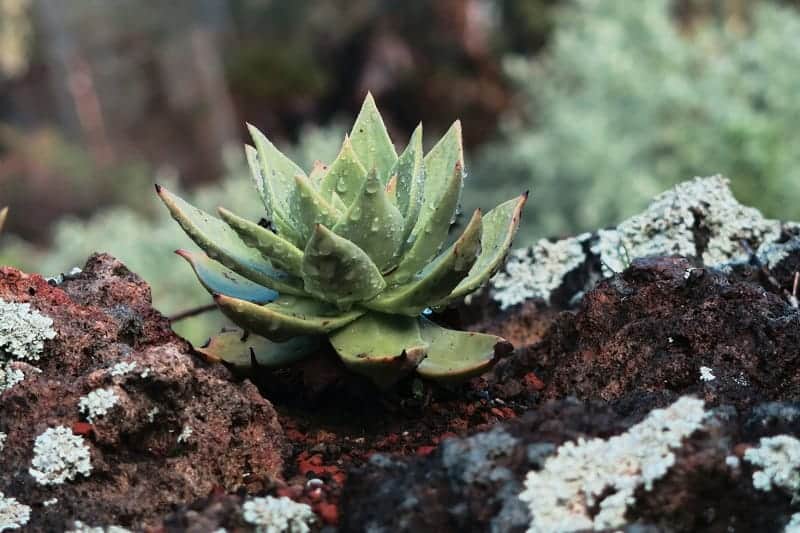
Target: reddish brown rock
647	332
179	429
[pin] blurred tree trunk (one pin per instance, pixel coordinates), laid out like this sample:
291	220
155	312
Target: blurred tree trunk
137	79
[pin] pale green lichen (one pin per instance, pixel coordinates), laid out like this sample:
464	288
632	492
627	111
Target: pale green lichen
772	254
278	515
80	527
122	368
23	331
472	460
13	515
779	459
537	272
59	456
670	224
794	524
185	433
590	484
698	219
707	374
9	377
97	403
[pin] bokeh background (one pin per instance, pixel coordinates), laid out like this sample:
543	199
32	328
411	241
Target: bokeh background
593	105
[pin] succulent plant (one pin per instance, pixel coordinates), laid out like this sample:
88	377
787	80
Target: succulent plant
352	252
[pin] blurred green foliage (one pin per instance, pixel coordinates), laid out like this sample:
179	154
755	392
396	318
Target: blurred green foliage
625	102
144	239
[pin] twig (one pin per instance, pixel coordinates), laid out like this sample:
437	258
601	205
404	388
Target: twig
192	312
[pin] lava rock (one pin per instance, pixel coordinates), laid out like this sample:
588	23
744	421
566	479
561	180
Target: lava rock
664	328
474	484
166	429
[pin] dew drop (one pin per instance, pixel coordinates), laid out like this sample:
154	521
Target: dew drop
371	187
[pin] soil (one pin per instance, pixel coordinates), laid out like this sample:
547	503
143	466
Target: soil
396	461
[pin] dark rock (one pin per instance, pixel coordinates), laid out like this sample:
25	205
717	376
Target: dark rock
473	484
647	332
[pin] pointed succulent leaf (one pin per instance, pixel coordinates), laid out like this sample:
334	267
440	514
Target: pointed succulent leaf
218	279
373	223
371	141
345	175
428	240
282	253
262	186
274	214
440	161
499	227
3	215
244	351
222	244
436	280
277	171
338	271
311	208
286	317
410	172
383	348
458	355
337	202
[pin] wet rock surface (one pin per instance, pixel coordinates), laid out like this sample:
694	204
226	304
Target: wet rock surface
166	430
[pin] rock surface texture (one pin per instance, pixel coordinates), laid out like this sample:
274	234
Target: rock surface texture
117	422
655	388
706	483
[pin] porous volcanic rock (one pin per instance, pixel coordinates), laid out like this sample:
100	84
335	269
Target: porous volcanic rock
473	484
664	328
175	430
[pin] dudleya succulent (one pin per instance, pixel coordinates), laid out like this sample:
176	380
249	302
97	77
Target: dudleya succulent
352	252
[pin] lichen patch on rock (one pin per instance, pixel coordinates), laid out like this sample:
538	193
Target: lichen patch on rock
59	456
13	515
23	331
698	219
606	473
278	515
